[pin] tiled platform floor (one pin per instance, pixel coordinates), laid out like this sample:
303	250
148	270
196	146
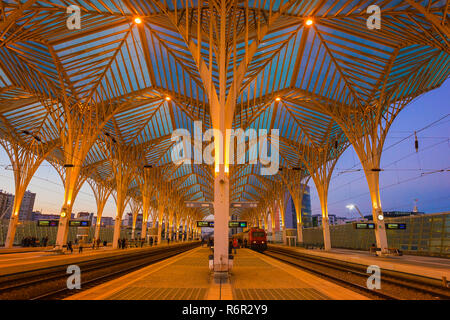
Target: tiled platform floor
187	277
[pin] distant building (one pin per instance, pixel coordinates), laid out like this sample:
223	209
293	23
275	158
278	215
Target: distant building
37	215
104	221
26	207
332	219
128	221
342	220
394	214
6	204
290	216
86	216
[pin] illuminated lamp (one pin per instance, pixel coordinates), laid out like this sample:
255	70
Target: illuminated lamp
309	22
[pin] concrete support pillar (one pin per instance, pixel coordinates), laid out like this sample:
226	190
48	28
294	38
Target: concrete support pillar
323	196
266	224
117	227
160	218
121	203
97	226
377	213
298	199
14	219
72	185
221	218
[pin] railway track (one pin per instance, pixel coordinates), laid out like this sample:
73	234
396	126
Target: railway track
50	283
394	285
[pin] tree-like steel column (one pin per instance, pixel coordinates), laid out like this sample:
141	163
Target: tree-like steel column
25	161
73	178
282	206
221	20
320	162
135	206
101	193
294	180
146	191
123	172
367	135
161	206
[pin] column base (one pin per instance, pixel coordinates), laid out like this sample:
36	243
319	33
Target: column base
221	276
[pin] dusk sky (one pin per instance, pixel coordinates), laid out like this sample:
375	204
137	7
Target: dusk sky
407	175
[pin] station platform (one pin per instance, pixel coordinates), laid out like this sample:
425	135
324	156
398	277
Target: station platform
37	259
23	249
431	267
187	277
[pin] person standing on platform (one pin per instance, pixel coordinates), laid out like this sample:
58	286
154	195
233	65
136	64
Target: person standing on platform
235	245
80	248
151	241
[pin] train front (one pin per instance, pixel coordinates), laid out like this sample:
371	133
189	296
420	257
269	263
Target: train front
258	239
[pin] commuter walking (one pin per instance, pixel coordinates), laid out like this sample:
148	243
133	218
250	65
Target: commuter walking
151	241
80	248
69	246
105	243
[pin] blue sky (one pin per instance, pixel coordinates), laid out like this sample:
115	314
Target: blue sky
401	182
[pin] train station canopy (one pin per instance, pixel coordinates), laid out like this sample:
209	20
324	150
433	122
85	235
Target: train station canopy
132	77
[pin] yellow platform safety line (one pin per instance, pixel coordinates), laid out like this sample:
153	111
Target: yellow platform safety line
111	287
332	290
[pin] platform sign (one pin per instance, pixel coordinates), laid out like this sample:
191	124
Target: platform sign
47	223
243	204
395	226
79	223
208	204
237	224
205	224
364	225
199	204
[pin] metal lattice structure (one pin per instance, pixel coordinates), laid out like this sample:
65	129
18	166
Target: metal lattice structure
101	102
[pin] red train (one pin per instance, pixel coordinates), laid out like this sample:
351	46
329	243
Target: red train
253	238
